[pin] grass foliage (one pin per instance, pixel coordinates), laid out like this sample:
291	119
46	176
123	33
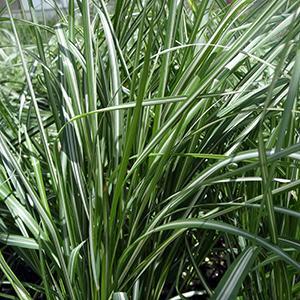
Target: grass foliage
135	138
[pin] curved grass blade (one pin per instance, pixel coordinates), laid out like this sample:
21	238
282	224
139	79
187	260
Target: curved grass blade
230	284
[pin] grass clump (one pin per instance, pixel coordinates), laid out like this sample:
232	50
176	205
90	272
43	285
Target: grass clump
142	142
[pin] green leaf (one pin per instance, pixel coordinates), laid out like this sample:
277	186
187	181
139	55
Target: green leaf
18	241
16	284
74	256
230	284
120	296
